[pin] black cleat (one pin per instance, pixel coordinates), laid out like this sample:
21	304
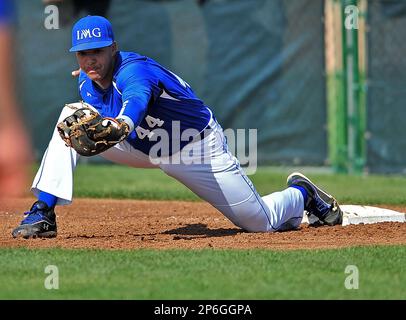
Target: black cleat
319	202
40	222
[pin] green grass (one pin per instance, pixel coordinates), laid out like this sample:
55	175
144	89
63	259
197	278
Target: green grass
112	181
204	274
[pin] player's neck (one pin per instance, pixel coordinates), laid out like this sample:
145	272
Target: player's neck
105	83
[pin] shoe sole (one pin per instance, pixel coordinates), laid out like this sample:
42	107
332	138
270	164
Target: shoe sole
27	233
50	234
314	186
319	191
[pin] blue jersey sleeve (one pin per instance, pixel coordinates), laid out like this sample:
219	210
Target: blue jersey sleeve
139	88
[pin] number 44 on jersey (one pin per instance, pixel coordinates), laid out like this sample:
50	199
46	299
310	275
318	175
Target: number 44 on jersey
152	123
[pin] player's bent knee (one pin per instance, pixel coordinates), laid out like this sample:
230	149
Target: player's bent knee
257	227
248	218
291	224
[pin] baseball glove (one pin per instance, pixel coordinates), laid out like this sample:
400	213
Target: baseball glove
89	133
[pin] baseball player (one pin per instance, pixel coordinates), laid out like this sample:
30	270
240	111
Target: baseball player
149	117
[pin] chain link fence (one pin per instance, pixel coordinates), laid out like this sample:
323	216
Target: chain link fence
386	97
365	62
258	64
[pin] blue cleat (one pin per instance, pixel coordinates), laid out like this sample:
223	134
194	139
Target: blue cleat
319	203
39	222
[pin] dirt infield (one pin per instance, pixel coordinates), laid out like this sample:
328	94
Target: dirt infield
131	224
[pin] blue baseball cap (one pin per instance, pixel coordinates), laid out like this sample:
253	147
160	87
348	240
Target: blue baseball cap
91	32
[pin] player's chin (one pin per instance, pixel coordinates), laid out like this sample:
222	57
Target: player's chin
93	75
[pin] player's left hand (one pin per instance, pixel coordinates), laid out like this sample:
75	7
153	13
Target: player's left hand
89	133
75	73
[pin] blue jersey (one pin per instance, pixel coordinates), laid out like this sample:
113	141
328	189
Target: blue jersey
152	97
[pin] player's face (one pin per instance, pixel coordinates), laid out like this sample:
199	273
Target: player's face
98	63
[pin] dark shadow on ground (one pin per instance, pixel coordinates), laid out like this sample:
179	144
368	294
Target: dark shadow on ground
200	229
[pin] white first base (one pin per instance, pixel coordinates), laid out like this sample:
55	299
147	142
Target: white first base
356	214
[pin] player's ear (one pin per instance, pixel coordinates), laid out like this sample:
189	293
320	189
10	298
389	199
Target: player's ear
114	48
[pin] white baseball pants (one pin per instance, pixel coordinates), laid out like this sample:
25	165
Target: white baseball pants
206	167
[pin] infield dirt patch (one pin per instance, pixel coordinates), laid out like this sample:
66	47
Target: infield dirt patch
134	224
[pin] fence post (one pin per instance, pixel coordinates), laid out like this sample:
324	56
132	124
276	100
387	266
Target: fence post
352	88
342	123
